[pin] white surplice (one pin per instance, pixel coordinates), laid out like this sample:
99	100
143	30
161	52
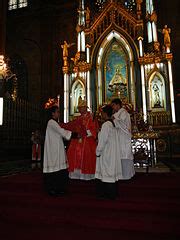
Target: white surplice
122	121
54	152
108	162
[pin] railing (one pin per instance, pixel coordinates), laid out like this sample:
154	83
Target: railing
20	118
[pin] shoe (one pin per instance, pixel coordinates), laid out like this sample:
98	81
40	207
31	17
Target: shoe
52	193
56	194
61	193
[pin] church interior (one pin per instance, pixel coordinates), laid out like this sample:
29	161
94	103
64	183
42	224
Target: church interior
97	50
62	52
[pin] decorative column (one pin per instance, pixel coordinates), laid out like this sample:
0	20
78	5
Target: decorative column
80	27
66	97
65	69
88	78
171	92
133	100
143	88
141	52
138	8
1	111
99	87
151	18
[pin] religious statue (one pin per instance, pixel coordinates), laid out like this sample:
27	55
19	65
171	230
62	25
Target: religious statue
157	102
118	85
76	58
65	47
80	99
117	78
167	41
156	47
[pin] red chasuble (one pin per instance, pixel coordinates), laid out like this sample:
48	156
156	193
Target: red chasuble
81	152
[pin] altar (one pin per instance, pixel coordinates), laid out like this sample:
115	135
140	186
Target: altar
118	54
144	148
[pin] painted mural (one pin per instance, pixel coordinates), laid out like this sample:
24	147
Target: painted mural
115	72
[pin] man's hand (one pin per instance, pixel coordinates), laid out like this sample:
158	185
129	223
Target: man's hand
74	135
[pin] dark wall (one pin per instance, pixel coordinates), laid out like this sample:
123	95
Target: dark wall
3	13
37	32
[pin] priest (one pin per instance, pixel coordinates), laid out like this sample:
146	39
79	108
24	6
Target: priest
81	151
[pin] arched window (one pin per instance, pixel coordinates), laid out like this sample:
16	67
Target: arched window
78	91
14	4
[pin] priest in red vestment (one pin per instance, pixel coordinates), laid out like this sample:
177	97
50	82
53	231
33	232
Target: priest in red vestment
81	152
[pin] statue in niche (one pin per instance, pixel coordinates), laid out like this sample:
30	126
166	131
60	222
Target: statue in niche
78	96
118	85
117	79
157	101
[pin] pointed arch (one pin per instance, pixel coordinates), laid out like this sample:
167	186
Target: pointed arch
98	59
77	90
157	92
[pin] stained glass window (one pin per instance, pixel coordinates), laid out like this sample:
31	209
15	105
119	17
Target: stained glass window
14	4
22	3
130	5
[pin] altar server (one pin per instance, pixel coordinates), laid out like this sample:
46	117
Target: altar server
108	163
55	160
122	121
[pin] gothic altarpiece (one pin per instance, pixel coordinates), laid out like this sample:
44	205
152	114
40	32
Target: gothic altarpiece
119	55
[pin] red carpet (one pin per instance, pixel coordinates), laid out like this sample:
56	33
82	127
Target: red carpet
148	208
